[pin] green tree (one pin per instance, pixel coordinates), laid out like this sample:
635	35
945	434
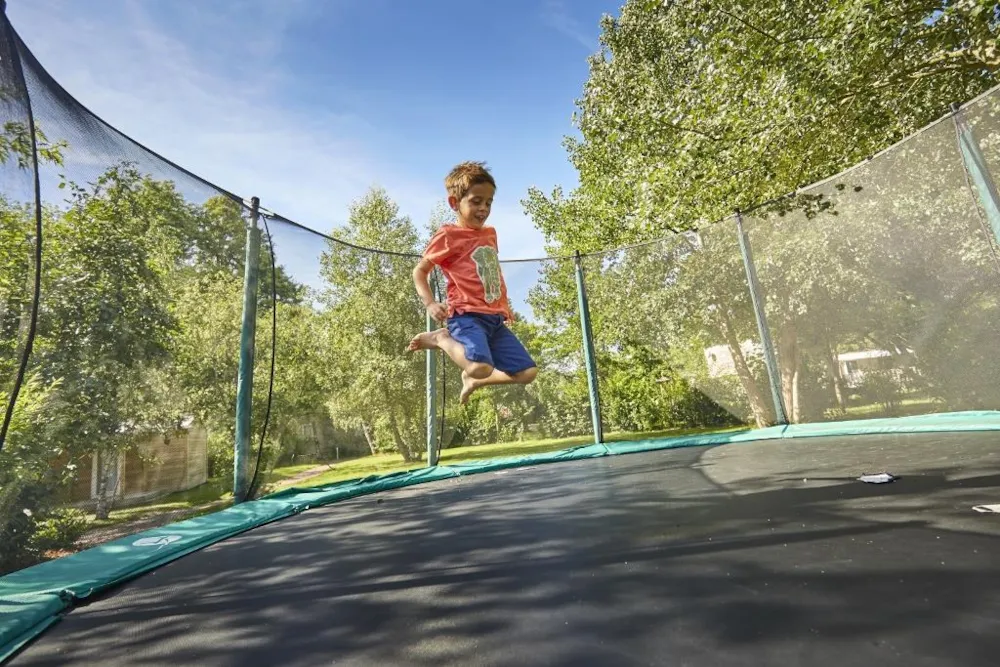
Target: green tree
31	461
207	298
901	261
680	299
370	312
557	347
694	110
440	215
106	328
17	236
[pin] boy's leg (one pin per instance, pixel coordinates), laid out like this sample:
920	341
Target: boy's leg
469	384
440	340
513	364
464	341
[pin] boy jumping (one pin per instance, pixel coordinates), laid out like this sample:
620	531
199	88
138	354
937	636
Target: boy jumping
477	338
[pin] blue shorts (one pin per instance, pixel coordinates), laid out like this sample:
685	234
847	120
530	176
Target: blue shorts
487	340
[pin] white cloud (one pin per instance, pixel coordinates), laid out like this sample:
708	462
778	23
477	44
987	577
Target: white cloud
202	91
556	15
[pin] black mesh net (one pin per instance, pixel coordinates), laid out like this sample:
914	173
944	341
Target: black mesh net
556	405
18	231
677	343
882	285
357	402
346	387
125	412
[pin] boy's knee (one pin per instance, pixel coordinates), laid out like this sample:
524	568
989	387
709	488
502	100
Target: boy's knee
528	375
478	370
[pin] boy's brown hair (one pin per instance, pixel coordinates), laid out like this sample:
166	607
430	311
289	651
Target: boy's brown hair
464	176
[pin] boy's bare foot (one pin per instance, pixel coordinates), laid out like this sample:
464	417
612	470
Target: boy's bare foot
469	385
424	341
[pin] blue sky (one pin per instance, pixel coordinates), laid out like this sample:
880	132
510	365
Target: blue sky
308	103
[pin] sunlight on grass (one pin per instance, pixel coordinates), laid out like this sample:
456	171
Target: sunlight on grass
281	474
904	408
388	463
209	493
379	464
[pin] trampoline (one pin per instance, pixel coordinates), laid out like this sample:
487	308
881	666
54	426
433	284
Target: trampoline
758	553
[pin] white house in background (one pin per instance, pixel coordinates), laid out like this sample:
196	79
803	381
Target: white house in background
853	365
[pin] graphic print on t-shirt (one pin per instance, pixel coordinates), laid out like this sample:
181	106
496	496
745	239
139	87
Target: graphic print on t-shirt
488	268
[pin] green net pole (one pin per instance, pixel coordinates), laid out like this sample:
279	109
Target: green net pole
590	358
774	378
432	453
248	335
978	172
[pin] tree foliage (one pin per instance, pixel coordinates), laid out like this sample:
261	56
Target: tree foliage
371	311
694	110
138	333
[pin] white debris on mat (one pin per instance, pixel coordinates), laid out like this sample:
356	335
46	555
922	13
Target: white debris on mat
878	478
987	508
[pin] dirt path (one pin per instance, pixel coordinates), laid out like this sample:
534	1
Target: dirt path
305	474
97	536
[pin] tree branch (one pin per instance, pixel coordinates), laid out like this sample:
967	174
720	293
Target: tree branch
747	24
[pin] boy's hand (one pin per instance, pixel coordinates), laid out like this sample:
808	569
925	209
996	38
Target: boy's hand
438	311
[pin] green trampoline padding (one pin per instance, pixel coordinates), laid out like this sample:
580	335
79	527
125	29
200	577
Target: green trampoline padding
32	599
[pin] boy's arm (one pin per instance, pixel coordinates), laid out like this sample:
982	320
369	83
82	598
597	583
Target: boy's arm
420	272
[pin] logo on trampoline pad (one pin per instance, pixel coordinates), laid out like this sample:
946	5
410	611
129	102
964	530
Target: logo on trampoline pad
158	542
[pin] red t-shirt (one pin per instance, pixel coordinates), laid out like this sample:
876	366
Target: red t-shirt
468	258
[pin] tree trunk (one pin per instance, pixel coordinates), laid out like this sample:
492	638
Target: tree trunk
788	354
398	439
416	453
757	405
107	483
367	429
838	379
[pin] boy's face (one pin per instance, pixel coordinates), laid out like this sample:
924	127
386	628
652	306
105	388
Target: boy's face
474	207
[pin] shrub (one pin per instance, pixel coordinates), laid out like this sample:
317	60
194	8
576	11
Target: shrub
59	530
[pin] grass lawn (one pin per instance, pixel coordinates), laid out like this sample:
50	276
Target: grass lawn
288	472
904	408
208	497
387	463
211	497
